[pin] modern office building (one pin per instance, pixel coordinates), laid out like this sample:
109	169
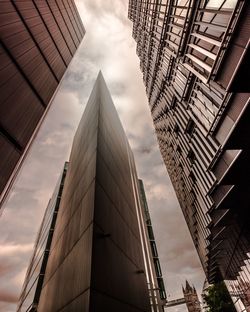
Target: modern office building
194	56
156	286
96	260
38	39
32	286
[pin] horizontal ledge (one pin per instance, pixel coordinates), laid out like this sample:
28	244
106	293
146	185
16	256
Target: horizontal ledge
202	50
207	39
199	62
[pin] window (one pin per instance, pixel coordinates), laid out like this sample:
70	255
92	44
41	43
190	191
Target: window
191	156
190	127
173	102
176	128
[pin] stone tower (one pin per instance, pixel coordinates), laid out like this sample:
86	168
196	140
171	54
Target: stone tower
191	297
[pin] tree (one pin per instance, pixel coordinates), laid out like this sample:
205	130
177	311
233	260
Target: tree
218	299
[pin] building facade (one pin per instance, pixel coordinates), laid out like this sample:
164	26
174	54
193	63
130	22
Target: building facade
194	55
30	295
191	298
156	285
38	39
96	259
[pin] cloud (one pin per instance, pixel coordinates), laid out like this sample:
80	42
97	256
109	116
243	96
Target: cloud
10	250
4	269
8	297
13	262
103	9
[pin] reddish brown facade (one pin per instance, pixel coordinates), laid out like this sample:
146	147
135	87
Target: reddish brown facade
37	42
194	56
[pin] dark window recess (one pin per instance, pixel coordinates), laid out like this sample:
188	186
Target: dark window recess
169	129
173	103
178	150
165	110
159	116
176	128
150	233
162	288
193	179
190	127
192	193
154	249
189	86
157	267
191	156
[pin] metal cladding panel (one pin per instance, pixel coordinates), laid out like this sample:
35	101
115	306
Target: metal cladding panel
236	61
38	40
239	137
72	276
67	276
230	64
81	303
8	159
111	304
118	275
88	269
18	118
54	30
59	17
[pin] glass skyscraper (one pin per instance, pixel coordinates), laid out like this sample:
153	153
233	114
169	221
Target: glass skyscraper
194	56
38	39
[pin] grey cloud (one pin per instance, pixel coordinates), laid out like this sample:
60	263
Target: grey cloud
67	126
5	268
102	8
145	149
80	77
8	297
117	88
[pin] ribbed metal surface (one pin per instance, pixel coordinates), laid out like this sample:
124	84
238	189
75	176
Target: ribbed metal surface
37	41
96	261
188	54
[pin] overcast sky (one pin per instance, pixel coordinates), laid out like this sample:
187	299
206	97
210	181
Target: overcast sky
108	45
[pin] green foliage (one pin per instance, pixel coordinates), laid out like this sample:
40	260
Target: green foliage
218	299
